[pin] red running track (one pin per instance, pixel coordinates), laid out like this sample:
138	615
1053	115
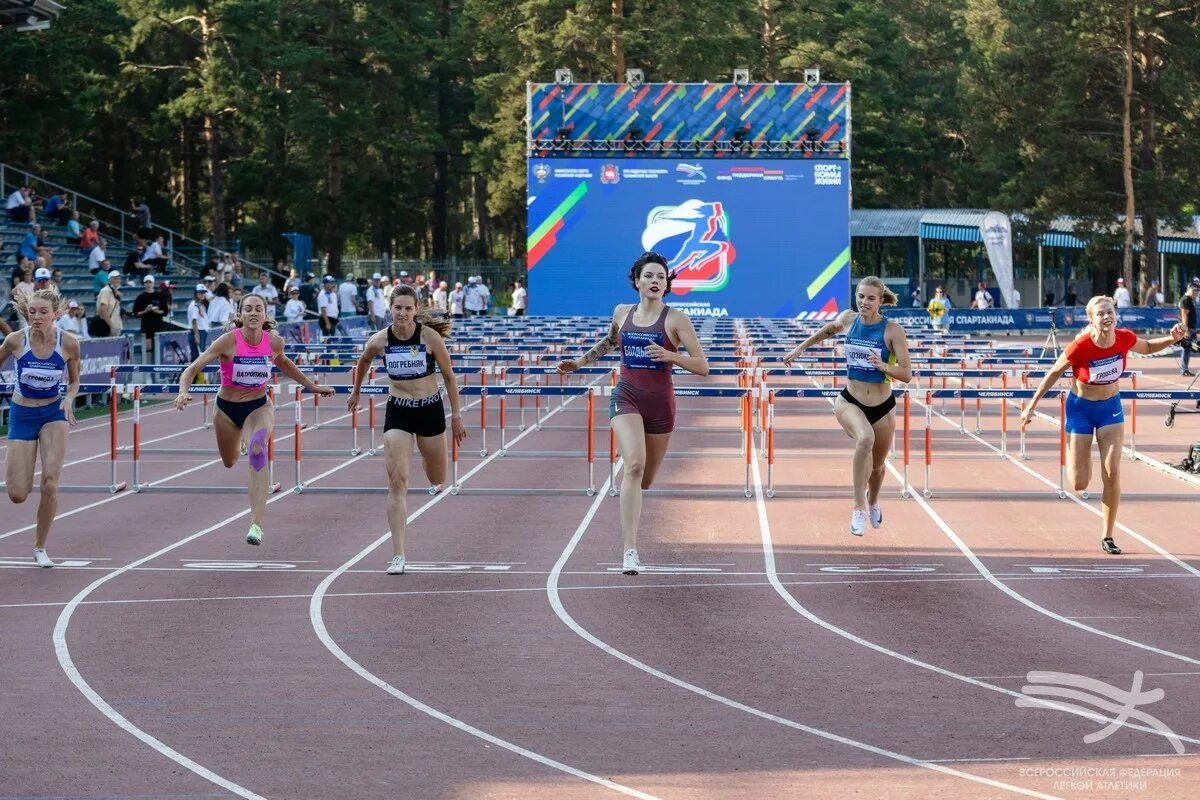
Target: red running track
766	653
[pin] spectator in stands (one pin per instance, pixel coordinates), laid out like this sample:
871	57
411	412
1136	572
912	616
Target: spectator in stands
155	258
270	295
74	231
233	273
348	297
24	284
404	279
28	248
20	205
167	290
91	236
441	298
41	279
485	292
108	303
457	299
939	310
197	319
294	310
327	305
472	298
1121	296
57	208
423	293
134	265
210	283
150	307
309	291
293	279
388	288
376	303
141	214
520	300
220	307
98	265
74	321
56	278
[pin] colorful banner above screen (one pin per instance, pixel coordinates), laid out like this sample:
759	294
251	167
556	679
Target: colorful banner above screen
743	238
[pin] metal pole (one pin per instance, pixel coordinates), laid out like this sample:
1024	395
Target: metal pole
1041	297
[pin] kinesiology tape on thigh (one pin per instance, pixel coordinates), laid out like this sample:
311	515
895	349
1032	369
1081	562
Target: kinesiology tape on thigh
258	449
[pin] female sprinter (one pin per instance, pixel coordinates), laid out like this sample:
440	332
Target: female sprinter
246	354
410	347
39	415
876	354
1097	359
642	411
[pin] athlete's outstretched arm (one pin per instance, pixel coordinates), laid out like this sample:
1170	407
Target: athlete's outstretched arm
827	331
1147	346
598	351
371	351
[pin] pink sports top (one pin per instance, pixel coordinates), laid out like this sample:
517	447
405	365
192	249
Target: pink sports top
251	364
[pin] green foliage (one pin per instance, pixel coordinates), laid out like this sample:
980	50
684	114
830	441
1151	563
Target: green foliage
401	123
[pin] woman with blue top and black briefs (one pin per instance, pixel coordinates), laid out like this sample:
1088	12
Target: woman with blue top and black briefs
39	415
642	410
876	354
412	346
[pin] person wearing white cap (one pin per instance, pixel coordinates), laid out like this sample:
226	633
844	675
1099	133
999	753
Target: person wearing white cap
267	291
108	304
149	307
327	305
74	321
197	320
440	298
294	310
41	278
1121	295
376	303
388	288
456	299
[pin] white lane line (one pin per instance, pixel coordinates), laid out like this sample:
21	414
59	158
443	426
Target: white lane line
552	593
1074	497
1014	594
768	546
62	651
316	617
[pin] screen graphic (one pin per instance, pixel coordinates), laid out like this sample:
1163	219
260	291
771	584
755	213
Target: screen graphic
742	237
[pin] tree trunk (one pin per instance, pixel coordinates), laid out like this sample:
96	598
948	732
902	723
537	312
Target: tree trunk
335	231
441	157
216	181
1127	148
618	46
482	220
1147	164
770	39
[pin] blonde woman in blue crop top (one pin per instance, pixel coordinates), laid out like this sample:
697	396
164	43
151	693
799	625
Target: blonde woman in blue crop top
876	354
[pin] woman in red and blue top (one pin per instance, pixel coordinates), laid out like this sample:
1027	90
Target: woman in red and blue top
642	410
1096	360
247	354
39	413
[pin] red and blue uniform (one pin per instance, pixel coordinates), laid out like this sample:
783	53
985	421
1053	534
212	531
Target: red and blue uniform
1098	366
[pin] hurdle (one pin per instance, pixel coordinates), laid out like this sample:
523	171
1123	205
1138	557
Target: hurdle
139	487
113	486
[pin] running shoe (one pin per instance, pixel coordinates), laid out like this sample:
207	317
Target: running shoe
630	565
396	566
43	560
1110	547
876	515
858	522
254	536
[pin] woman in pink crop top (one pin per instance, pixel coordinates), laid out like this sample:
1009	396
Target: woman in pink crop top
642	410
247	354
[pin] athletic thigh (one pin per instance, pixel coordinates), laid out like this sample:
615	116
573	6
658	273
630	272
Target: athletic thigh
19	465
631	437
229	437
259	419
1110	438
852	419
885	431
656	451
433	455
1079	453
397	455
52	442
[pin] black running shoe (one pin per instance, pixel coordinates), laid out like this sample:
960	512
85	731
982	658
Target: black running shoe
1110	547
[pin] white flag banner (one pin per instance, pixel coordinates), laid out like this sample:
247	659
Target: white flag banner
997	238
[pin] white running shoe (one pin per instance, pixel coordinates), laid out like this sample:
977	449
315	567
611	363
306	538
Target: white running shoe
876	515
396	566
254	535
858	522
630	565
43	560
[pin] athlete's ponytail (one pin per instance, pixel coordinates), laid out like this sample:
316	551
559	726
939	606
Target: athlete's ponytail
439	322
50	294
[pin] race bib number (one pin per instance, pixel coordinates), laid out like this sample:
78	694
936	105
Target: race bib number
1105	370
858	354
251	372
405	361
633	350
41	378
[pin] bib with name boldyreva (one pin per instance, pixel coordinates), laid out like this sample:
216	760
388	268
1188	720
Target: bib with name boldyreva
406	361
633	350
